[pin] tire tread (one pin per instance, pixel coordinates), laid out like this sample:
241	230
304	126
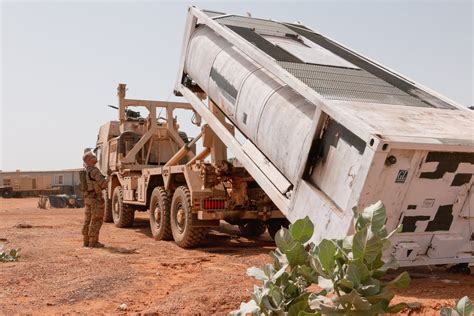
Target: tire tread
194	235
126	214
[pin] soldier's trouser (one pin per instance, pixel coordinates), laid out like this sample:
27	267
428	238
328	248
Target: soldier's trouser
94	215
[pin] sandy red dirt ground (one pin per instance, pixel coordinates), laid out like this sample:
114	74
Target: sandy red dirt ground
56	275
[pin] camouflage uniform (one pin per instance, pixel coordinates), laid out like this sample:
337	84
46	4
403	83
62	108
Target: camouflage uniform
94	205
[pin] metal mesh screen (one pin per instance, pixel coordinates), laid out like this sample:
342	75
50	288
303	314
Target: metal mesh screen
346	84
331	81
258	25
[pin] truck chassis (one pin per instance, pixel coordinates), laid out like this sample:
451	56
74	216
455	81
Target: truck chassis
154	167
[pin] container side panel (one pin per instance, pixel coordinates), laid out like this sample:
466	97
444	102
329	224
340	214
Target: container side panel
427	195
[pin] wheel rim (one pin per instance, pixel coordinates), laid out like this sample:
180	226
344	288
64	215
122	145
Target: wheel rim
180	218
116	207
157	216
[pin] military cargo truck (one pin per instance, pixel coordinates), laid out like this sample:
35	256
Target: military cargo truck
316	128
153	167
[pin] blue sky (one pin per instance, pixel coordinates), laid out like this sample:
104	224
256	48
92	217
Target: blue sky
61	61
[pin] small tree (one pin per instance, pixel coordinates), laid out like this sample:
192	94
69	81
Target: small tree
348	271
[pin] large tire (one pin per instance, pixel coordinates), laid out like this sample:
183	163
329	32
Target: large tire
123	214
159	212
184	233
108	217
7	193
253	228
274	225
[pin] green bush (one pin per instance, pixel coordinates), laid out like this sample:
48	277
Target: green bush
9	256
348	271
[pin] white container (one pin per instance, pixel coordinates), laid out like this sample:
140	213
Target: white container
345	132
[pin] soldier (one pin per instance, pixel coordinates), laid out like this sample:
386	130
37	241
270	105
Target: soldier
94	202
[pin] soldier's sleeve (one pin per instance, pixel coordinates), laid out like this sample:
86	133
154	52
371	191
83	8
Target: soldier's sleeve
98	177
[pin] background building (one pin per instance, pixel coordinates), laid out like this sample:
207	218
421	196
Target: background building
31	183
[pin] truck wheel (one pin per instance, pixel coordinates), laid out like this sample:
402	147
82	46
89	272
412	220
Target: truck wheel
160	215
184	234
122	214
7	193
252	228
108	217
275	225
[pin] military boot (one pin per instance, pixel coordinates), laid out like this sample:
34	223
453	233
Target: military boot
95	244
86	241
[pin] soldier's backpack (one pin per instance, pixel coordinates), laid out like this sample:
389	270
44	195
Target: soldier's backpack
83	180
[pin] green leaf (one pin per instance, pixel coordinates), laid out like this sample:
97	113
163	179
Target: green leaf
392	263
297	255
257	273
291	289
445	311
464	306
360	313
268	270
304	313
363	269
322	304
296	308
250	307
300	304
316	265
257	295
400	282
359	221
370	287
279	273
377	263
283	240
302	298
375	215
13	253
396	308
347	243
267	304
327	251
279	259
309	274
353	274
302	230
355	212
366	246
346	284
354	298
379	307
276	295
385	295
341	254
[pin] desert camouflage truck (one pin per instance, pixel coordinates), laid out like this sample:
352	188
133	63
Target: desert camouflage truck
153	167
326	129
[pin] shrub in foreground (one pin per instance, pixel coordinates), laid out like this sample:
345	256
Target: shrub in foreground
347	272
